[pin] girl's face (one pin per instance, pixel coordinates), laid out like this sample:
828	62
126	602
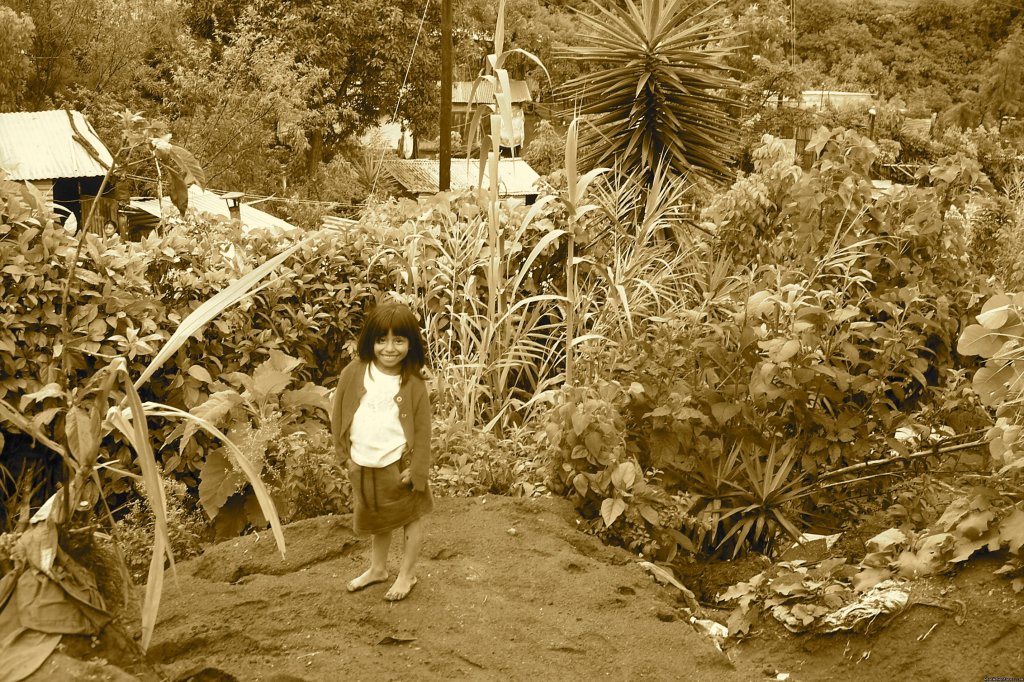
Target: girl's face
389	352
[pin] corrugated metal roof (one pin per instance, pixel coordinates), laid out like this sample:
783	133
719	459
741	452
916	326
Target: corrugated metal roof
837	99
336	222
921	127
420	176
204	201
461	91
40	145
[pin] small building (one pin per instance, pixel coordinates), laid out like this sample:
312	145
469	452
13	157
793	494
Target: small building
923	128
420	177
146	213
465	103
838	100
62	156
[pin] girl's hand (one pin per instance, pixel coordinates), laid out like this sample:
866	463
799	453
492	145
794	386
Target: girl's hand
406	477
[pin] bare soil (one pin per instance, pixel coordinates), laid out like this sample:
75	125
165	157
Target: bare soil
510	589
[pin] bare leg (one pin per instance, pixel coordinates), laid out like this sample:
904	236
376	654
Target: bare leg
378	570
410	554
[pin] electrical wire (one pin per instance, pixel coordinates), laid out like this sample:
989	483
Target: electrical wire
258	198
401	93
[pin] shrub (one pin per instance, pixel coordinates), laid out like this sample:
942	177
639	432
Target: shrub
829	318
546	151
134	293
471	462
186	526
587	459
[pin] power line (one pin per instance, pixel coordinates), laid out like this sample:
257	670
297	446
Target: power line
259	198
401	93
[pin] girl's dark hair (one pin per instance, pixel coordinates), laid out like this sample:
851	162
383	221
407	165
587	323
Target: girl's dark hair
398	319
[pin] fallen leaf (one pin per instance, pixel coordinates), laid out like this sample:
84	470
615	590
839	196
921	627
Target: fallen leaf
975	525
869	577
956	510
1011	530
662	575
390	639
741	620
886	540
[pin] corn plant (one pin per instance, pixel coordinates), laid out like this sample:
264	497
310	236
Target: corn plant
109	402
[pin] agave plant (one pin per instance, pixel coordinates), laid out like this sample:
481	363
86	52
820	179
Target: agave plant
659	90
749	497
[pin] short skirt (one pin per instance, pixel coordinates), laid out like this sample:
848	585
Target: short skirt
381	503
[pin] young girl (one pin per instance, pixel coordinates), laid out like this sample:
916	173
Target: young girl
381	427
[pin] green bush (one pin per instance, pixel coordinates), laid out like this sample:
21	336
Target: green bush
130	296
186	526
829	319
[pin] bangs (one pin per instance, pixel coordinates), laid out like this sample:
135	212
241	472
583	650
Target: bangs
394	318
399	320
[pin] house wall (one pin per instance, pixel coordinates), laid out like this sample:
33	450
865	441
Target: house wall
45	188
462	115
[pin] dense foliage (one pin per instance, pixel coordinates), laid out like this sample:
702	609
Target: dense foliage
703	370
268	357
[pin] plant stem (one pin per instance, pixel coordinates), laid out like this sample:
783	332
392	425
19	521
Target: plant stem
902	458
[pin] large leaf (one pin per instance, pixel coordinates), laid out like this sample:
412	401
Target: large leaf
187	166
611	509
26	426
238	459
212	410
977	339
1011	530
132	424
995	312
210	308
82	431
273	376
179	191
218	481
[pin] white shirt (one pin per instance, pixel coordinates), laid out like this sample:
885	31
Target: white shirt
376	432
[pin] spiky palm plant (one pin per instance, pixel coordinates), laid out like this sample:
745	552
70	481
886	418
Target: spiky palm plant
659	89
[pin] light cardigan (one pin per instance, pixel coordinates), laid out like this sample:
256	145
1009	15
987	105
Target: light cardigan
413	413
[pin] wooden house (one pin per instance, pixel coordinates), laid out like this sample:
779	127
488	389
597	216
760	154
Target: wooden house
465	103
416	178
63	157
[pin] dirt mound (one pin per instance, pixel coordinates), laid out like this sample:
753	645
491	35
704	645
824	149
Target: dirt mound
508	588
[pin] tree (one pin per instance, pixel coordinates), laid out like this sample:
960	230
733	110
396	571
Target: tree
380	59
245	105
538	27
18	31
1004	79
657	90
761	55
87	48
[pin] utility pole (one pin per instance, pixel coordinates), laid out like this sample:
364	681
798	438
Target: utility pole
444	150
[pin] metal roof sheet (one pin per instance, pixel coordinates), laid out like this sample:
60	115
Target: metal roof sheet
921	127
421	176
204	201
461	91
837	99
41	145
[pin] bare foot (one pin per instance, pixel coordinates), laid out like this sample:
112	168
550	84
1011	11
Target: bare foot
370	577
401	589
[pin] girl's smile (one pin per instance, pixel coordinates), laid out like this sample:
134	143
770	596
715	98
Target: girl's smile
389	352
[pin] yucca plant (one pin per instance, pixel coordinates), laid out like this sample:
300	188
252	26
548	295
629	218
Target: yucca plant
749	498
659	88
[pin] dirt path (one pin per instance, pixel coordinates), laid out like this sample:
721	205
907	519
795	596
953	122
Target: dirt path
543	601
